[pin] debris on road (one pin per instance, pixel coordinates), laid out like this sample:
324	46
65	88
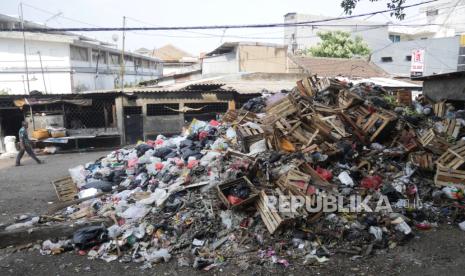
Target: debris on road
258	185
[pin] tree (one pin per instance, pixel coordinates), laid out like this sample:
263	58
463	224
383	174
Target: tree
339	44
395	5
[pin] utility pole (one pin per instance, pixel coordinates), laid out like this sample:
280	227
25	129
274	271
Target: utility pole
122	56
42	69
24	46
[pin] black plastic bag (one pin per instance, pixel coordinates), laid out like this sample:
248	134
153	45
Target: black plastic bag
104	186
162	152
90	236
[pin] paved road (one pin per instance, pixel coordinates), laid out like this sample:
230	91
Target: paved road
28	188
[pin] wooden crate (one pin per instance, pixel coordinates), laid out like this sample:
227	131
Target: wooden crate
404	97
439	109
337	126
452	127
422	159
433	142
249	135
222	188
454	157
65	188
449	177
239	116
369	127
311	85
282	108
346	99
270	217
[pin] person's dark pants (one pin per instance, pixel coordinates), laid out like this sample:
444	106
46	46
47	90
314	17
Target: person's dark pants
29	151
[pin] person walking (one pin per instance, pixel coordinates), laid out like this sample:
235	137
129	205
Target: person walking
25	145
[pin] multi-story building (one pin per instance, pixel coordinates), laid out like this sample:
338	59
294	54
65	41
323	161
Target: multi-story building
60	63
299	38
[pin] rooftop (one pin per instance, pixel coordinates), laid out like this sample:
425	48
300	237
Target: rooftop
170	53
333	67
230	46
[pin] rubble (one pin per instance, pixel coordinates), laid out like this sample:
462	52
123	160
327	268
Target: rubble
205	197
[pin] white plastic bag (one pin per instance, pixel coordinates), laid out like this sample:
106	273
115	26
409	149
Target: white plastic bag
78	174
345	179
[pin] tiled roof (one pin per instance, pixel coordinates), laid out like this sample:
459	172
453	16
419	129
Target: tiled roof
170	53
332	67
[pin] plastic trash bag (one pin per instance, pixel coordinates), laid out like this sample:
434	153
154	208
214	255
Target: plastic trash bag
104	186
257	147
345	179
155	256
135	212
90	236
87	193
78	174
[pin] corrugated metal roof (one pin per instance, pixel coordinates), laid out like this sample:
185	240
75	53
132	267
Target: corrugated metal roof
389	83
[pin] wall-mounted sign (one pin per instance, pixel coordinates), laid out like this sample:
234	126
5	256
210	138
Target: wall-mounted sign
418	63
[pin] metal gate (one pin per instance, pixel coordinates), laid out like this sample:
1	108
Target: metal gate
133	124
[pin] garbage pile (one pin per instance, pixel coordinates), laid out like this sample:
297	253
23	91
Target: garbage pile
257	188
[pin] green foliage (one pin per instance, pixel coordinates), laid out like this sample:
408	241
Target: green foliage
339	44
397	7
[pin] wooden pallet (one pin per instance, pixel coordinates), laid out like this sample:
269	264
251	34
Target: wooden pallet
65	188
454	157
422	159
449	177
439	109
433	142
282	108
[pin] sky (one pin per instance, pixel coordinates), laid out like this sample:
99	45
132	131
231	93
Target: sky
109	13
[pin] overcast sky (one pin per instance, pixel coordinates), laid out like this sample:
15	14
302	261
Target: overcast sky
109	13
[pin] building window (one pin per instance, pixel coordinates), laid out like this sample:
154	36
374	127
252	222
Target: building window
386	59
101	56
432	13
394	38
79	53
162	109
408	58
114	58
132	110
145	63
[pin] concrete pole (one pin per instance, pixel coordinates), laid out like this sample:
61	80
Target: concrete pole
122	56
24	47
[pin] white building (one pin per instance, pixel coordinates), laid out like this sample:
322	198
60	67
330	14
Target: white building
444	18
61	63
299	38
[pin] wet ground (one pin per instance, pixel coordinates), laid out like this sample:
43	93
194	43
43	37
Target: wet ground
27	189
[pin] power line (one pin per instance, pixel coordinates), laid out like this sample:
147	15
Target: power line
245	26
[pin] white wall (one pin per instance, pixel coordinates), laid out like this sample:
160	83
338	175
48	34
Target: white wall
222	64
306	36
441	56
62	75
179	68
55	61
